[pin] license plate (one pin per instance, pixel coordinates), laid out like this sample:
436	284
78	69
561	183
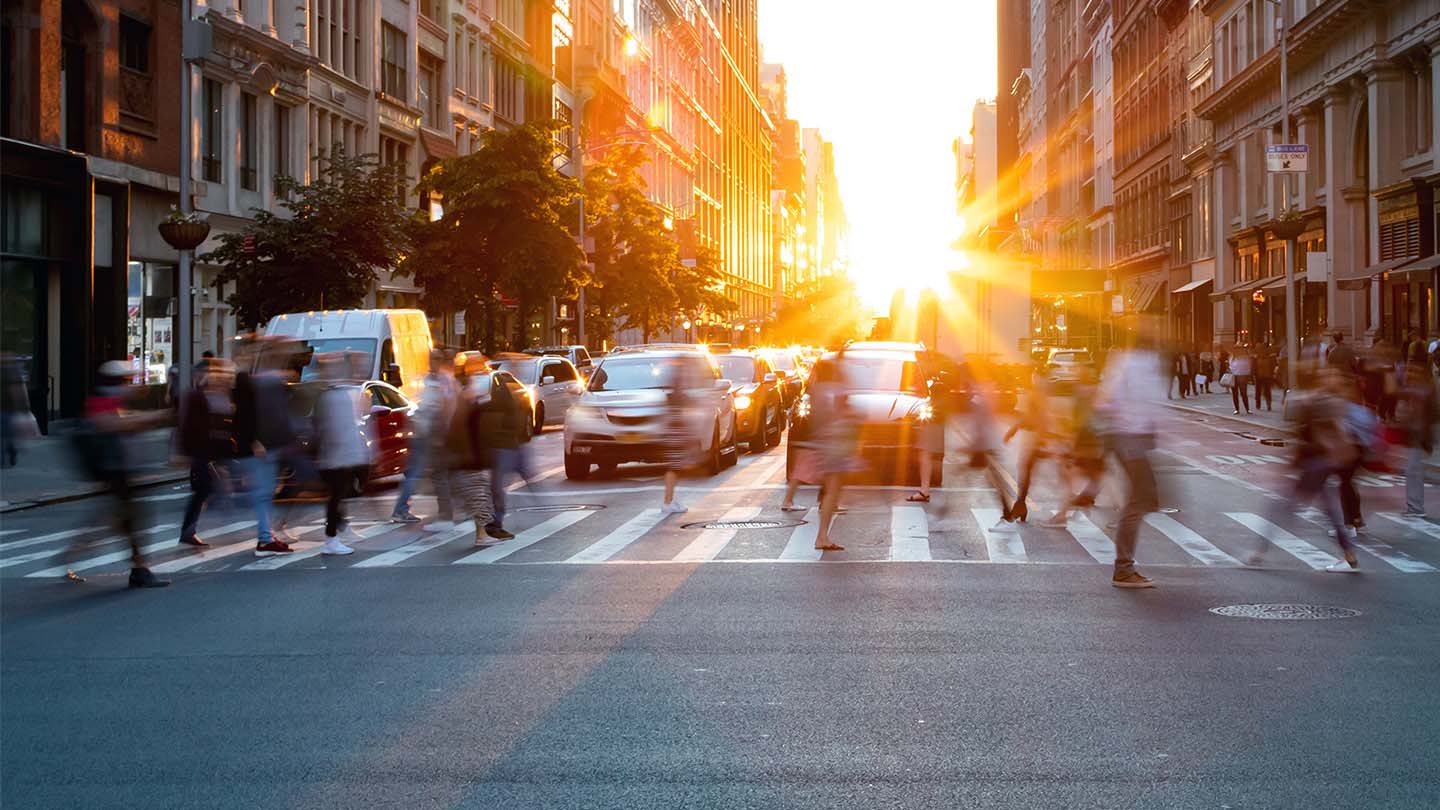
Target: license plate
631	437
581	450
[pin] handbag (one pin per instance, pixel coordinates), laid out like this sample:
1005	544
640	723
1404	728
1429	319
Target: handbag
1227	380
1201	379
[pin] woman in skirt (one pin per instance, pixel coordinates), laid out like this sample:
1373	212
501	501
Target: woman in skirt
681	444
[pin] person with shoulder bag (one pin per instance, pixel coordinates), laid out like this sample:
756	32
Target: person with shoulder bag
465	446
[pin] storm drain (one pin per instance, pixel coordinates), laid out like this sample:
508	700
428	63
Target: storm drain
1285	612
745	524
560	507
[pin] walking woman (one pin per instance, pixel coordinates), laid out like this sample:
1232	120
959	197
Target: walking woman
207	437
1035	421
1240	368
836	432
344	449
681	443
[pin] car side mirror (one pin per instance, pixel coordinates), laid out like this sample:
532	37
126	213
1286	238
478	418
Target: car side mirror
770	377
392	375
722	385
548	379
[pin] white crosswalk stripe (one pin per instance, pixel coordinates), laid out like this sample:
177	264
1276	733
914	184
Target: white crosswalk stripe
909	534
1297	548
396	556
525	539
124	554
208	554
616	541
45	538
1394	557
1417	523
1189	540
1095	542
51	552
1004	547
801	547
712	541
302	550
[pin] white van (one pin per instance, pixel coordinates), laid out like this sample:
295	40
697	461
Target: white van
395	342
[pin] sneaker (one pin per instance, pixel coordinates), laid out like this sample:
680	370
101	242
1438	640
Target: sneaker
498	532
1131	579
1005	526
673	508
1343	567
404	517
271	548
349	535
440	526
335	547
143	578
282	533
791	508
192	540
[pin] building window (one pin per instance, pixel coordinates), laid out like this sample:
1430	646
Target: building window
512	15
392	62
564	136
561	55
134	45
457	63
336	35
397	152
473	61
211	125
281	142
507	96
430	9
431	99
248	146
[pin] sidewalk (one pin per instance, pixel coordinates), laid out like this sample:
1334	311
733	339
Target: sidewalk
49	473
1263	424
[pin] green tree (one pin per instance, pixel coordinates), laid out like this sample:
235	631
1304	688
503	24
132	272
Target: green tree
700	286
336	233
504	230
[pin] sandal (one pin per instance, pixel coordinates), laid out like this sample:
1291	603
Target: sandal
791	508
918	497
829	547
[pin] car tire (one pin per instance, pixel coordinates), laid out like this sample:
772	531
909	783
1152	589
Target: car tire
774	431
539	419
576	469
732	449
713	464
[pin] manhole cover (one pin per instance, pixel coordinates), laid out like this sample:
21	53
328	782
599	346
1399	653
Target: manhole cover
560	507
1285	612
744	524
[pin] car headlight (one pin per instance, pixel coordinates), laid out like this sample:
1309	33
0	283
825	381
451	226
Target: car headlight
802	408
742	403
587	412
924	412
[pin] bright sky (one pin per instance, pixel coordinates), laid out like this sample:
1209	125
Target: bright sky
891	84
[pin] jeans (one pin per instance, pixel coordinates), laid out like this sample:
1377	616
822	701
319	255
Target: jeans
415	463
337	484
1143	498
1349	496
1240	392
260	473
508	462
1415	479
202	486
1314	472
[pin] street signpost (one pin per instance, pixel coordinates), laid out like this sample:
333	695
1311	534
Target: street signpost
1287	158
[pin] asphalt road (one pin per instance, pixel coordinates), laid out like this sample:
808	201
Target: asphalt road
589	668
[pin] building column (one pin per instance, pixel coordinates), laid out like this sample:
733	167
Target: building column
300	32
230	8
260	16
1305	125
1223	312
1341	211
230	145
1385	90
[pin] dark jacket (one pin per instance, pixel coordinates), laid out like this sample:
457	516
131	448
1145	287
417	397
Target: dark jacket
262	413
205	435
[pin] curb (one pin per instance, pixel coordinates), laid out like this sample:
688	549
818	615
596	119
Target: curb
89	490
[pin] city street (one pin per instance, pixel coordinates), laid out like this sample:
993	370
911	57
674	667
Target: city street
607	657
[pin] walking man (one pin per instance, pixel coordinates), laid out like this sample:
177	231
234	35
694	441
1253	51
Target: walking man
1129	389
263	433
1264	366
437	402
1417	413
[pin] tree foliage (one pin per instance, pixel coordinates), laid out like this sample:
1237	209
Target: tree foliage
826	312
640	280
336	233
504	230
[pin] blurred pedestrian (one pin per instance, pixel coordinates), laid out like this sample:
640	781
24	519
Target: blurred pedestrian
16	420
263	435
1264	368
468	456
1341	356
506	422
426	443
681	442
986	440
101	441
1240	370
1037	423
1362	430
1084	466
1207	371
1129	388
837	434
1416	414
343	447
1324	449
207	439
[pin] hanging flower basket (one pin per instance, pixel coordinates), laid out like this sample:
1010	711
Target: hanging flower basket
1287	227
184	235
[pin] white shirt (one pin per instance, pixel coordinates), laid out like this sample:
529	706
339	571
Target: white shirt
1130	391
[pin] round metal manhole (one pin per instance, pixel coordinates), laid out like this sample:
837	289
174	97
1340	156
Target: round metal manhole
560	507
1285	612
744	524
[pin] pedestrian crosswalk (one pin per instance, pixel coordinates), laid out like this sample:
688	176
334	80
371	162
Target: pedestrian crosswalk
717	530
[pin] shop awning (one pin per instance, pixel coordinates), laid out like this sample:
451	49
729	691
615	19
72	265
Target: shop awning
1357	280
1146	297
1242	288
438	147
1193	286
1420	269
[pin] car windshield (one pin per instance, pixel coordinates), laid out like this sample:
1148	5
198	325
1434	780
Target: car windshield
783	361
883	374
522	370
1071	357
737	368
639	372
361	365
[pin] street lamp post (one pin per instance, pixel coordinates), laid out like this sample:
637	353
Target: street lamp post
1291	229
